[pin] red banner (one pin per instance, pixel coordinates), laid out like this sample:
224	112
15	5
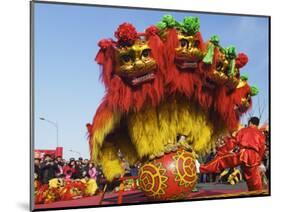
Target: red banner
40	153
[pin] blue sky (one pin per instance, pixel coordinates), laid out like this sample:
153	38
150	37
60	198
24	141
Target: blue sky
67	85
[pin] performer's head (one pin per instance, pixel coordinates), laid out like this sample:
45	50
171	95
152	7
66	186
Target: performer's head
47	158
37	161
58	159
254	121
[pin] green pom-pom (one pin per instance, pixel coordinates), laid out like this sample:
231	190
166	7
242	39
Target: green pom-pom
215	39
254	90
231	52
191	25
169	20
161	25
244	77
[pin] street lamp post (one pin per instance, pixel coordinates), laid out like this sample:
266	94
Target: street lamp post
55	124
75	152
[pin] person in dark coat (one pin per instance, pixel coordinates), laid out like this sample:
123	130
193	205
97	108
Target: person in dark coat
48	169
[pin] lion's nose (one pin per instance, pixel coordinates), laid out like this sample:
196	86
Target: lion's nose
185	50
139	65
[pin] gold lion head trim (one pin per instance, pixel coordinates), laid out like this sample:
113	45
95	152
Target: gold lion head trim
135	62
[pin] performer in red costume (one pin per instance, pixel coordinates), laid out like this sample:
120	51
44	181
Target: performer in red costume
251	144
224	145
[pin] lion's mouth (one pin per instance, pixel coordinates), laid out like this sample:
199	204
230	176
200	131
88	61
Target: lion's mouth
143	78
184	64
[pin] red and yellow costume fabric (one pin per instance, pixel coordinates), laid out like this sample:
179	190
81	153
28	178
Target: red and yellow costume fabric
132	71
251	143
160	84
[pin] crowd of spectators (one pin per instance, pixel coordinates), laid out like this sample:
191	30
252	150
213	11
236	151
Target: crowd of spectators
48	168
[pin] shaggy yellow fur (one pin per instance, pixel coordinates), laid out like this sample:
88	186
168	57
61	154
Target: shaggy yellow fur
110	162
151	129
126	147
194	123
100	134
144	131
168	121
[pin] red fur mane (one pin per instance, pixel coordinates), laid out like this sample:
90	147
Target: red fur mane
188	83
120	95
225	103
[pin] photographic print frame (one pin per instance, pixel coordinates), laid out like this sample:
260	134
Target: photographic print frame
33	86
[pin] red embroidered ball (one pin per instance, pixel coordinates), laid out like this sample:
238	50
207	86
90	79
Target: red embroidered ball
173	176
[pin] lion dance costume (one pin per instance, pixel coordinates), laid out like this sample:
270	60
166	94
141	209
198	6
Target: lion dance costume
161	85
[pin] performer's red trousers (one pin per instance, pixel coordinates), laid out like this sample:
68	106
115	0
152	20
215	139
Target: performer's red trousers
247	159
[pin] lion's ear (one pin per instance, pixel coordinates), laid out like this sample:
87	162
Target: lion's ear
89	127
105	58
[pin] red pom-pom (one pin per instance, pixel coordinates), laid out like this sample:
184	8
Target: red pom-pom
241	60
105	43
151	31
126	34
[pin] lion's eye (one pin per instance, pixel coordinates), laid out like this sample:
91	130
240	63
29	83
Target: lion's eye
196	43
145	53
183	42
219	65
126	58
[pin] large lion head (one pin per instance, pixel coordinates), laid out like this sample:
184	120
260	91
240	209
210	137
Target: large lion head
132	68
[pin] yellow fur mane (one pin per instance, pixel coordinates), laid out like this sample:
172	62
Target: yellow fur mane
147	132
151	129
100	135
194	123
144	131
